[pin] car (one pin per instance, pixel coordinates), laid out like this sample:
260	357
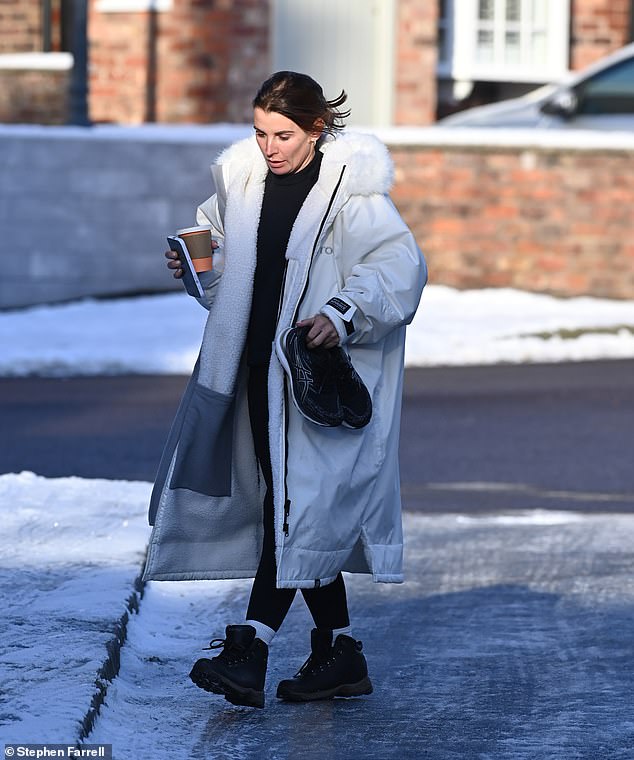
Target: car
598	97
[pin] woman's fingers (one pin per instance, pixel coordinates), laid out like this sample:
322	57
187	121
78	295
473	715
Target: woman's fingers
322	332
173	263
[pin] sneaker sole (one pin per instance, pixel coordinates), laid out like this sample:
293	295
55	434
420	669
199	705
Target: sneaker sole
358	689
357	426
281	355
232	692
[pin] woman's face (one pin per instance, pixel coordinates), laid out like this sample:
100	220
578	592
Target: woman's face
284	145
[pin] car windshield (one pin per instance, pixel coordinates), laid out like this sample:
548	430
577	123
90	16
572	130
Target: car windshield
609	92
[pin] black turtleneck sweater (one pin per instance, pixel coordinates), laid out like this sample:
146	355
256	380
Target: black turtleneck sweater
284	195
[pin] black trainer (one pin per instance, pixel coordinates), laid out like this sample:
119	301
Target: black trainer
356	403
312	380
338	670
238	671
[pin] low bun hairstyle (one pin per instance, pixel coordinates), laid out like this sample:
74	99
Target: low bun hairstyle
301	99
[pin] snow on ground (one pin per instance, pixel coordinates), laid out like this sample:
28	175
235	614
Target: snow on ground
70	550
489	326
510	639
161	334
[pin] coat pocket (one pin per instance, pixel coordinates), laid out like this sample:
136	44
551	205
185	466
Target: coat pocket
203	455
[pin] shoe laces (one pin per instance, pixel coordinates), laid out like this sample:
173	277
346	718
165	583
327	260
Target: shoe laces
230	652
316	664
216	644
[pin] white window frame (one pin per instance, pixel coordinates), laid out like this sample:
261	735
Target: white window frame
132	6
461	27
36	61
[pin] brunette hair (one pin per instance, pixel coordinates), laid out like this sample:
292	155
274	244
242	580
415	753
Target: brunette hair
301	99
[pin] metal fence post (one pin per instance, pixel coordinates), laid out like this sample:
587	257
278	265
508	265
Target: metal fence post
78	106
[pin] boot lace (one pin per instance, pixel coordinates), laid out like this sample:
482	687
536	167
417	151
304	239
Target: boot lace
215	644
315	664
231	654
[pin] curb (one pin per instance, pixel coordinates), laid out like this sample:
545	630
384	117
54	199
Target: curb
110	667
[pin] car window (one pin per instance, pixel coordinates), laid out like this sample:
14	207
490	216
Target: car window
608	92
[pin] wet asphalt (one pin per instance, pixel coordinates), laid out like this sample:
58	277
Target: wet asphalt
473	438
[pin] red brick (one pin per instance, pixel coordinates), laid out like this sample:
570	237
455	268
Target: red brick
547	235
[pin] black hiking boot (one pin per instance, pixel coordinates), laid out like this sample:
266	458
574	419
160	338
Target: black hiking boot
338	670
312	380
356	403
238	671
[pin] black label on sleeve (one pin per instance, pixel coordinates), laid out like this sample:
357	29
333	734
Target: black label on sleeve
341	306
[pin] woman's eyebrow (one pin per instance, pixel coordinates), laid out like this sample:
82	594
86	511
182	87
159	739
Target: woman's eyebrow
280	132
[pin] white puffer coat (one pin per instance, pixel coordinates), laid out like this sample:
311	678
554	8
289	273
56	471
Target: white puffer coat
336	490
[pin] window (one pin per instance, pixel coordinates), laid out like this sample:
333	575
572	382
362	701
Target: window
504	40
609	92
57	26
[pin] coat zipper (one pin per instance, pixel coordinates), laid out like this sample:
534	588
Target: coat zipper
287	501
312	254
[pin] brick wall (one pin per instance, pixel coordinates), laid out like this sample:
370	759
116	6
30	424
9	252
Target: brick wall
550	220
33	97
416	56
20	26
249	56
207	60
597	27
118	66
166	66
28	95
194	39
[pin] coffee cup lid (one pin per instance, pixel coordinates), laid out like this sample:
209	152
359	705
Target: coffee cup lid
198	228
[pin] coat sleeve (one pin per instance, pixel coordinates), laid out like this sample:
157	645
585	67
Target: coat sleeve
382	269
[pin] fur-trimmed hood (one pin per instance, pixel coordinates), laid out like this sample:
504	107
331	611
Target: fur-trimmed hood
370	168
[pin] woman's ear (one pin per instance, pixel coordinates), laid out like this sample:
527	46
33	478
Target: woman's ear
318	128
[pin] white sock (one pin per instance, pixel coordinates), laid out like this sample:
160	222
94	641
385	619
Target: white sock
262	632
347	631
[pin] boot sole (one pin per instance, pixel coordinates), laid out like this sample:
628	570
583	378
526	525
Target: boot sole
344	690
232	692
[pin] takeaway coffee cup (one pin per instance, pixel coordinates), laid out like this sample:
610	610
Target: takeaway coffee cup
198	242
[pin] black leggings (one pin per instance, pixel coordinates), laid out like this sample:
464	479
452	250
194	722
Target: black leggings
268	604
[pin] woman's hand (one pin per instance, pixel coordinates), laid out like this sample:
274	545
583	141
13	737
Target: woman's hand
174	263
322	332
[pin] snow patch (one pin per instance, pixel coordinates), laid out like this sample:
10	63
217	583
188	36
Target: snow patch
162	334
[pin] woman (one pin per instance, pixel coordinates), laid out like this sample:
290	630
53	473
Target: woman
247	486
